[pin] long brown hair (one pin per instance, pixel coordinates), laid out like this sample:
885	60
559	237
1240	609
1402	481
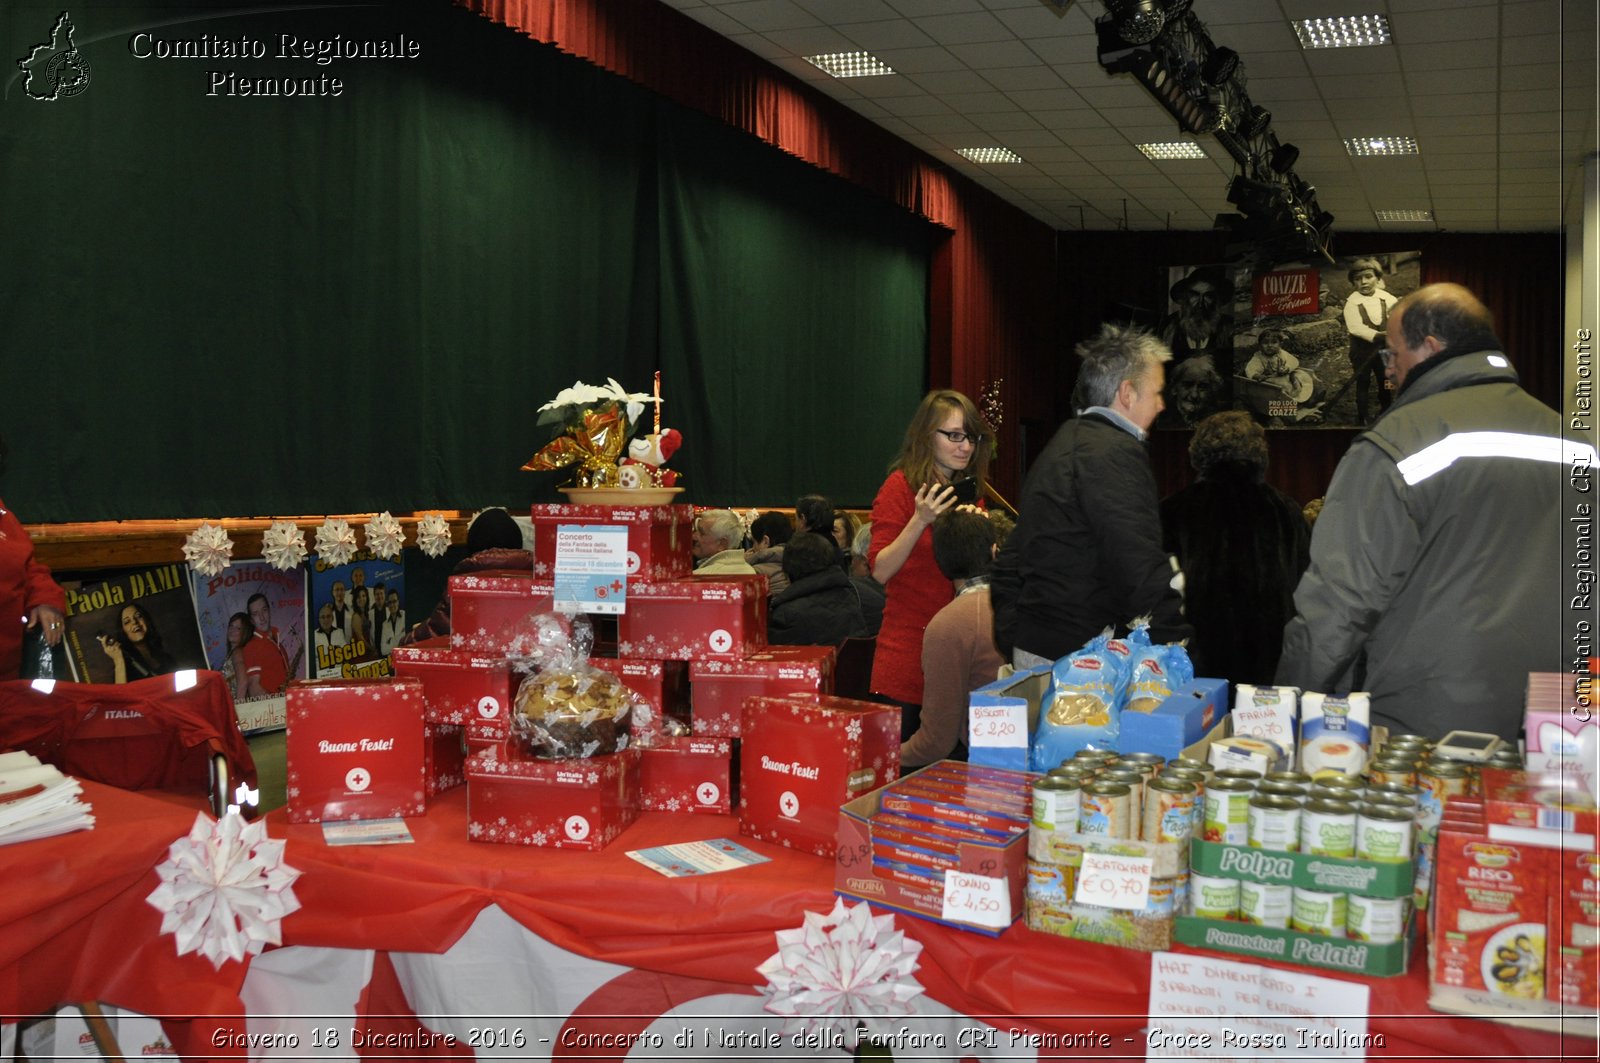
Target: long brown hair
915	459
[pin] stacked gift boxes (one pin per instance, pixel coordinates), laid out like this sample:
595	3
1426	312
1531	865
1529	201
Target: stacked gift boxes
355	749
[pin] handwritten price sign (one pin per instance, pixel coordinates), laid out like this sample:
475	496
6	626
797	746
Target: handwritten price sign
998	726
1114	881
976	899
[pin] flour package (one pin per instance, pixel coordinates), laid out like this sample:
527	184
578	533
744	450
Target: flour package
1335	733
1267	712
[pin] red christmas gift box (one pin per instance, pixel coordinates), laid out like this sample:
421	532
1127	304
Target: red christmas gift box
687	775
355	749
461	687
717	689
658	537
803	756
582	803
486	608
444	758
706	618
662	685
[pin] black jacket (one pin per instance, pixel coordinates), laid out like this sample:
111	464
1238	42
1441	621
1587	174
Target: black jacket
820	610
1086	553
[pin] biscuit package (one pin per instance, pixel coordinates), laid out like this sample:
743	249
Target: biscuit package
565	707
1335	733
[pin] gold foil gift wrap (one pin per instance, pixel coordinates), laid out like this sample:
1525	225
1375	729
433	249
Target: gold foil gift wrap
595	444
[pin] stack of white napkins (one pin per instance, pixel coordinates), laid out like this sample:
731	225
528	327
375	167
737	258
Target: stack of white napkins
37	801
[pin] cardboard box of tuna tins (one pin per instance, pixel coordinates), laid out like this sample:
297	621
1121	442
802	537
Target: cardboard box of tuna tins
355	749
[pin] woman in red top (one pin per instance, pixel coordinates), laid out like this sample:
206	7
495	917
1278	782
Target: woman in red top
946	443
28	596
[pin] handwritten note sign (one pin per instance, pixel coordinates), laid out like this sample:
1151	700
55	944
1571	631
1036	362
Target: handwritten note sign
976	899
1114	881
592	568
1003	726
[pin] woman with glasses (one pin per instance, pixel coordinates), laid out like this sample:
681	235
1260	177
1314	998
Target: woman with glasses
942	463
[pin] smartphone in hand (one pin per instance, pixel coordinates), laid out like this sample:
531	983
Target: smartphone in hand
966	491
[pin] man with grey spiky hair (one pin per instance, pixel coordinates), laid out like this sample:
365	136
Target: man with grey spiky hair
718	544
1086	554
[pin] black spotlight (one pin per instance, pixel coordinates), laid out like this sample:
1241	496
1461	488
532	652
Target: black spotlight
1256	121
1137	21
1283	157
1219	66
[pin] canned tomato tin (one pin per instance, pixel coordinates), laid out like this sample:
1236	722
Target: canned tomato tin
1350	786
1274	823
1265	903
1380	920
1317	912
1213	897
1169	810
1055	803
1226	818
1244	774
1395	791
1106	807
1383	833
1392	770
1328	828
1294	790
1294	777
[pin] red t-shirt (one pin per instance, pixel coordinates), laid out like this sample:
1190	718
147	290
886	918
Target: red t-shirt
264	657
915	594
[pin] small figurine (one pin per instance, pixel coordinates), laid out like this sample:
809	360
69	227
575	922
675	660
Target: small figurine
643	467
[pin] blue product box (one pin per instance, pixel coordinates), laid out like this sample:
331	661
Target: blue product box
1026	689
1178	722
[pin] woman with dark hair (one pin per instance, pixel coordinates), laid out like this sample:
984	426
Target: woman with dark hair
360	626
1243	545
942	461
495	541
242	683
135	647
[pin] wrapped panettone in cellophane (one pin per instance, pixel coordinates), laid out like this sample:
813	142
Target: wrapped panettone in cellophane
565	707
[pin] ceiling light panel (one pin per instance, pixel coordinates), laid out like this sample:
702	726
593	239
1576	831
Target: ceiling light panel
1360	146
1177	149
987	156
850	64
1343	31
1403	215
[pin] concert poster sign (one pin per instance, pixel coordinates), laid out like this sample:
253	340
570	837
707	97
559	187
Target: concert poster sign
132	624
1296	345
234	606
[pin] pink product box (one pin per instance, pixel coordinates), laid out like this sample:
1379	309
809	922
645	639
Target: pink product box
356	749
461	687
718	689
566	804
658	537
687	775
662	685
705	618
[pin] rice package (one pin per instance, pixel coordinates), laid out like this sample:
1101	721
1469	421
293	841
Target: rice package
1335	733
1086	694
1157	671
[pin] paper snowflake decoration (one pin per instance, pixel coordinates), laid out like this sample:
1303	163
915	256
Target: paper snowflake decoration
840	969
284	545
336	542
385	536
225	889
208	549
433	535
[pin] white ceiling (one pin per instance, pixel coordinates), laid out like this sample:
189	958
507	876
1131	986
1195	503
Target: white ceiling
1503	119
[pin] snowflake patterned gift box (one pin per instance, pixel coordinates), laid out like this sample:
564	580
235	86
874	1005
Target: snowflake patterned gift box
577	803
658	537
687	775
487	608
461	687
355	749
444	754
705	618
803	756
718	689
661	686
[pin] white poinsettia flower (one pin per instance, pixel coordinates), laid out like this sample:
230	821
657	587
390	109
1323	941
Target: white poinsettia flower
336	541
433	535
208	549
284	545
385	536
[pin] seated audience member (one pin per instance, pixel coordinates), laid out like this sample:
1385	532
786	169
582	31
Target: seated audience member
718	545
495	541
860	565
768	534
958	651
1243	545
815	513
844	529
821	606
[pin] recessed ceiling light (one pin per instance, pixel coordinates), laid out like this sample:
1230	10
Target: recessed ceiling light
1175	149
1380	146
989	155
1403	215
1343	31
850	64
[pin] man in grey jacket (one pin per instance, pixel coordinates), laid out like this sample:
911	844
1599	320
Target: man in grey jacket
1435	578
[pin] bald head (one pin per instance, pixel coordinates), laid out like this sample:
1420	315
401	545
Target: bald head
1448	313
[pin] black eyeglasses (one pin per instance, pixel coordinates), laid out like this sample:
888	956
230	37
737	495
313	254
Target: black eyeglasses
1387	355
962	437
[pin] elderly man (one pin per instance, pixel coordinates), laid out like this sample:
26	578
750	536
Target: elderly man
1435	578
1086	553
717	545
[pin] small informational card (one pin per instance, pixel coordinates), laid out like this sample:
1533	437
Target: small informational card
1114	881
367	832
592	568
1003	726
697	858
1205	1008
978	899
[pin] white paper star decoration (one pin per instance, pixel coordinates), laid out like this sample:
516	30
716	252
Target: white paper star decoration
225	889
284	545
336	542
385	536
208	549
839	969
433	534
